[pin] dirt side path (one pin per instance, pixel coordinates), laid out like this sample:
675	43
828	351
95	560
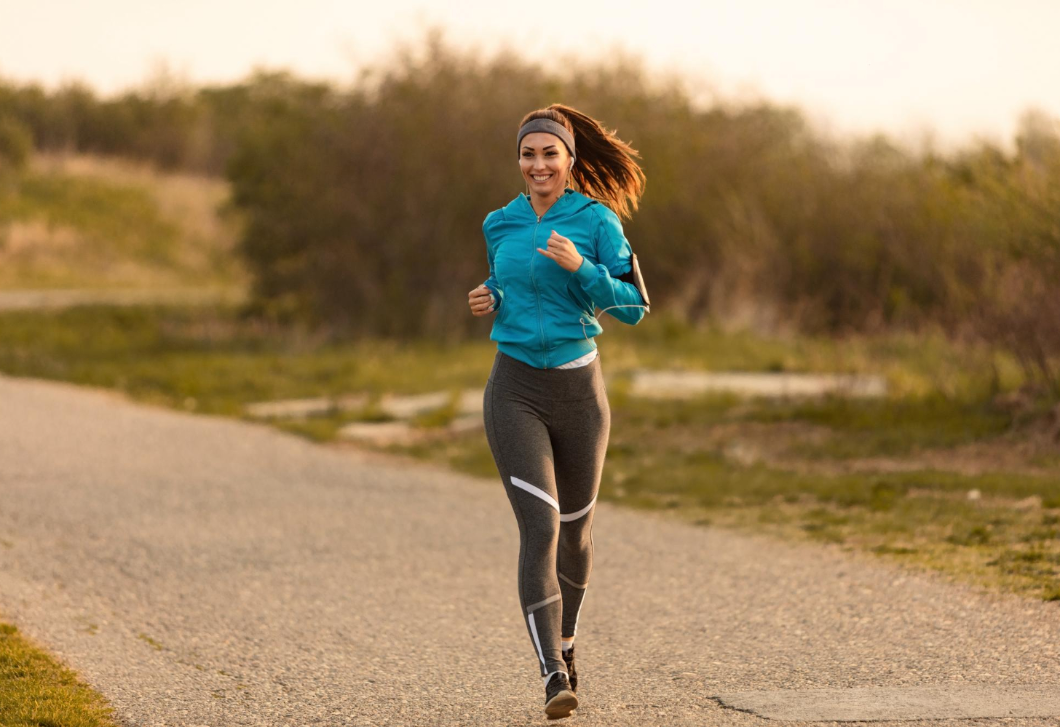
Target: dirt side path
200	571
11	300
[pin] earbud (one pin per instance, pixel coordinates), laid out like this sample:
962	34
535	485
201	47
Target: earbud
571	165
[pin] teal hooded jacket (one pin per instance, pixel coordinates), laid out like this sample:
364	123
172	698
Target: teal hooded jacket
545	315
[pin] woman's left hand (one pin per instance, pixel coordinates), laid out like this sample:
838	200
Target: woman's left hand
563	252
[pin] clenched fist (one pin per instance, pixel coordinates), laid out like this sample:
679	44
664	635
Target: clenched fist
481	301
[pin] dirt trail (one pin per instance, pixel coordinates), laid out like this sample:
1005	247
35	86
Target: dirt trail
67	298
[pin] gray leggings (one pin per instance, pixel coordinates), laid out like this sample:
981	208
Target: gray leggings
548	430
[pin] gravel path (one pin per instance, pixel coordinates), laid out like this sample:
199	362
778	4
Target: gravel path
201	571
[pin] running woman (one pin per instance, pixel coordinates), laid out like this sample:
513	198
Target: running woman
555	255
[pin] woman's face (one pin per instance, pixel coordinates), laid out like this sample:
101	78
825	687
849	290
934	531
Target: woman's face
544	160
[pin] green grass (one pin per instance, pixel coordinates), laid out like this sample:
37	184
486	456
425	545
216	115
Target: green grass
890	427
671	455
210	361
924	364
38	691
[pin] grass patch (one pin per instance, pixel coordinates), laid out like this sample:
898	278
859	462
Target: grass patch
116	222
90	223
891	427
38	691
210	360
914	364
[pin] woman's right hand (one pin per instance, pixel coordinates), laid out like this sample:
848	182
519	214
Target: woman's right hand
481	301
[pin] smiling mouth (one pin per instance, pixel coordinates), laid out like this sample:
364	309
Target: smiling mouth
544	178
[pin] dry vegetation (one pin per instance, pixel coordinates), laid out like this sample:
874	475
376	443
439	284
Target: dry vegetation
75	221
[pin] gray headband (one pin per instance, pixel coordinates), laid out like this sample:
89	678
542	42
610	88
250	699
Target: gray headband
549	127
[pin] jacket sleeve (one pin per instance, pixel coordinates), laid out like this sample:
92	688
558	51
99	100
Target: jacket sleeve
491	282
606	282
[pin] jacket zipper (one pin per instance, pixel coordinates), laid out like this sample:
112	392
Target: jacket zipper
537	293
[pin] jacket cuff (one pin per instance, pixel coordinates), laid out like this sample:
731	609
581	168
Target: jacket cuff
587	273
495	295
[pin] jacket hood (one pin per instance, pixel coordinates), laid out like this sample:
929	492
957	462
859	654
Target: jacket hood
570	203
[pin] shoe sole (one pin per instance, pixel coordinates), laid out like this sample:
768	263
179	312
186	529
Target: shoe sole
561	705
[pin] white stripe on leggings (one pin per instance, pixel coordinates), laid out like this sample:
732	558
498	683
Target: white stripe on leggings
579	613
572	584
536	492
537	641
575	515
539	604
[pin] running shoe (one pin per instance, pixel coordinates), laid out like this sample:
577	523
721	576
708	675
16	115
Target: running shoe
559	699
568	658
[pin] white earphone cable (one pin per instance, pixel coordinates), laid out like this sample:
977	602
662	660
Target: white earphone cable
581	319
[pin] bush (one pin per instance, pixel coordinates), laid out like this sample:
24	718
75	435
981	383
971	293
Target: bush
16	144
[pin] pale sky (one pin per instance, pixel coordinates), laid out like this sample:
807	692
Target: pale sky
960	68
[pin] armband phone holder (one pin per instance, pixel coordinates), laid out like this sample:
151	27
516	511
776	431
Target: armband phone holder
638	280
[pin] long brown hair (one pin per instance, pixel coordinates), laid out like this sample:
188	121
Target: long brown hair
604	168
